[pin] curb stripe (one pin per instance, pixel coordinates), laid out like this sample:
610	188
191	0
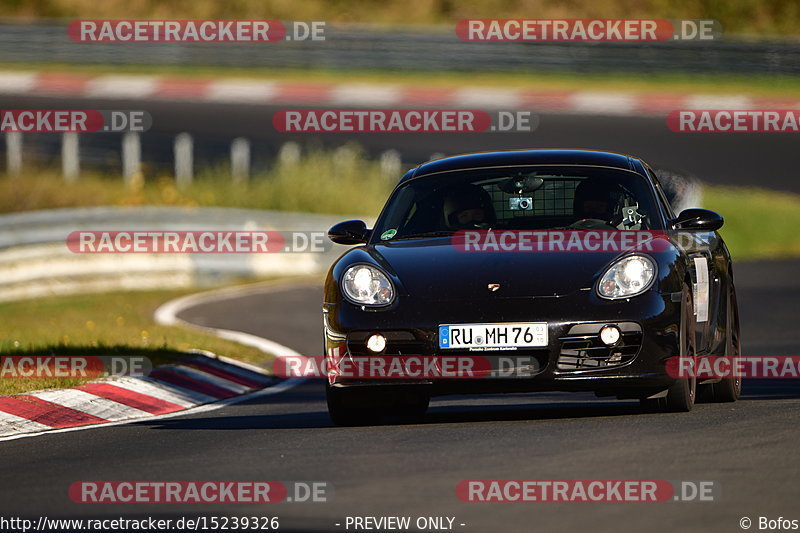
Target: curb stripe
210	379
163	391
60	83
230	376
181	88
303	92
16	425
17	82
181	380
47	413
143	402
121	87
89	404
375	95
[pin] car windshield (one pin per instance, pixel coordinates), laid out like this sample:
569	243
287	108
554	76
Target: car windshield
524	198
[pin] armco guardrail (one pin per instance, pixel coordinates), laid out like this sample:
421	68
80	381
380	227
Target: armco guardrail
35	260
427	48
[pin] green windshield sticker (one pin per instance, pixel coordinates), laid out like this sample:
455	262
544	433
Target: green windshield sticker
388	234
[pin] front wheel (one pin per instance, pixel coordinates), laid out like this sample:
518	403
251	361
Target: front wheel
681	395
729	389
350	407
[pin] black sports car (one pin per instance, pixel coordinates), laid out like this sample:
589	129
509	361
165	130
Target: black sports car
531	267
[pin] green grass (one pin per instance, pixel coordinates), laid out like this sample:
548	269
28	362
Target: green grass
753	85
117	323
336	182
759	224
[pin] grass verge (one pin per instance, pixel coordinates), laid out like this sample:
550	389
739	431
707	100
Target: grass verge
759	223
337	182
117	323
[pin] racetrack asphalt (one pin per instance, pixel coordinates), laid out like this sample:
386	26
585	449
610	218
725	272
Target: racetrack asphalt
747	448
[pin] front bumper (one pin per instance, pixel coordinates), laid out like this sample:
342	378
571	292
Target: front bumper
574	360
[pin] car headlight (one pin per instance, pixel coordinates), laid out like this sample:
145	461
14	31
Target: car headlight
628	277
367	285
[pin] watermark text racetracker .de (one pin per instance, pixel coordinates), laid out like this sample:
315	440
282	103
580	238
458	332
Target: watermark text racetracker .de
734	121
73	120
198	241
403	121
411	367
199	492
194	31
546	241
588	30
586	490
73	366
727	367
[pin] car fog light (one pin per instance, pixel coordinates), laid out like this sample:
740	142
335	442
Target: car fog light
376	343
609	335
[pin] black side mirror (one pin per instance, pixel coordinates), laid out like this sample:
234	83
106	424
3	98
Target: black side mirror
698	219
349	232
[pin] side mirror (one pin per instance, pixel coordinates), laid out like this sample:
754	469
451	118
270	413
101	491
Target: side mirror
349	232
698	219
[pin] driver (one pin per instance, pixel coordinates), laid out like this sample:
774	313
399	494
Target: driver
594	203
468	206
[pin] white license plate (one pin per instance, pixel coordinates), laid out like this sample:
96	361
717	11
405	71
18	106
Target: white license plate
509	335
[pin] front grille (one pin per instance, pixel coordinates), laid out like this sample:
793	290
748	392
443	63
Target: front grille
582	349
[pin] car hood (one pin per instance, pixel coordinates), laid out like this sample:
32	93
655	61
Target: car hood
434	269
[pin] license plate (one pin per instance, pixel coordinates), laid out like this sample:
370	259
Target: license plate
510	335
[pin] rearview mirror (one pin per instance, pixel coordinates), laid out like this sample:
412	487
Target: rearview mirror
698	219
349	232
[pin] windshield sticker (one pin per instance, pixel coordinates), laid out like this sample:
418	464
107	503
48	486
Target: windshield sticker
388	234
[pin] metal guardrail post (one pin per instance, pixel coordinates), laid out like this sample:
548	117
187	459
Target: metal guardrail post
14	153
240	160
289	153
184	159
70	157
131	157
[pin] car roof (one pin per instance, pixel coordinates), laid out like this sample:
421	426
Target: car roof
527	157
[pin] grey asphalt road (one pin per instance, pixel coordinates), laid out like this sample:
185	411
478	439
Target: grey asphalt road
763	160
747	448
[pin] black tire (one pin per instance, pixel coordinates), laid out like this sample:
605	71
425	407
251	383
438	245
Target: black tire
729	389
351	407
412	408
681	395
